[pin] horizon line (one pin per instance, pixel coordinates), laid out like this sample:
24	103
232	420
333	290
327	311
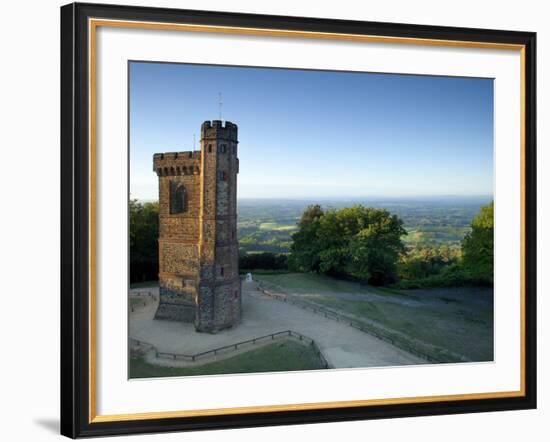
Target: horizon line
332	198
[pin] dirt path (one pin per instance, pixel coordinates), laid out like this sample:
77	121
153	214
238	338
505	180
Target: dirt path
341	345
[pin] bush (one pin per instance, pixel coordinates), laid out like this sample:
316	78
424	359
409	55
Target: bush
264	261
454	275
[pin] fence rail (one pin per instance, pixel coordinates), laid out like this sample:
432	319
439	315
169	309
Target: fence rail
233	347
135	294
363	327
144	298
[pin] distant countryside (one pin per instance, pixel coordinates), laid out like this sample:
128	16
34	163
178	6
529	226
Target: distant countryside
433	237
416	273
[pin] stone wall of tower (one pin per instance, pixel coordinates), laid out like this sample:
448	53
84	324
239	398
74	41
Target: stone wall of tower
178	234
219	289
198	247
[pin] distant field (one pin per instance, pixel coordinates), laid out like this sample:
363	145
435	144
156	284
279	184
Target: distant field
282	356
442	322
279	227
267	225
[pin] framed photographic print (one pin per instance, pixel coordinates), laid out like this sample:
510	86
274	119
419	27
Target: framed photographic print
273	220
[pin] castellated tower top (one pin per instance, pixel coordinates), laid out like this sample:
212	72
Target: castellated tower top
177	163
217	129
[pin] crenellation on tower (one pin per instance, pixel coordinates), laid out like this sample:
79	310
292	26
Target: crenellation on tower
219	130
177	163
198	246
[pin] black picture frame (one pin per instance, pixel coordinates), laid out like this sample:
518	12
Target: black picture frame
75	220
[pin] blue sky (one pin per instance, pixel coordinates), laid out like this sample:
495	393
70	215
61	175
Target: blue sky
320	134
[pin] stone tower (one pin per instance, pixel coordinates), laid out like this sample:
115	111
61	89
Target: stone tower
198	247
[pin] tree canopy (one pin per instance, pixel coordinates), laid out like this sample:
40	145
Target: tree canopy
477	246
360	242
144	232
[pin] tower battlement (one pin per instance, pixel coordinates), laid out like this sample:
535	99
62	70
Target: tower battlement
217	129
177	163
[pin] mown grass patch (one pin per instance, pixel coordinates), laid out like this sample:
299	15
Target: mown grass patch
263	272
437	321
285	355
437	325
310	282
136	302
145	284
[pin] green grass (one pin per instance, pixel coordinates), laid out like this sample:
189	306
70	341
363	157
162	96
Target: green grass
303	283
263	272
445	326
145	284
285	355
134	302
308	283
434	321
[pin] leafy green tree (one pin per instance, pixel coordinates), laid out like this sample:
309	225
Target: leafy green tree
144	232
359	242
304	250
424	261
312	214
375	250
478	246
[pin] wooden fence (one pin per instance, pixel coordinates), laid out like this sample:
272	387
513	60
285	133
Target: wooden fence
233	347
144	298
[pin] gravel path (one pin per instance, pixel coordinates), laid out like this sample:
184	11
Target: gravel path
341	345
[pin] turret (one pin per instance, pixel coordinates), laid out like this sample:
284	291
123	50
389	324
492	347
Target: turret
217	129
220	283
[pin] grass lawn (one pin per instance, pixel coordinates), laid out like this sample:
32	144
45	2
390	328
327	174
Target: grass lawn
434	321
285	355
263	272
143	285
305	283
134	302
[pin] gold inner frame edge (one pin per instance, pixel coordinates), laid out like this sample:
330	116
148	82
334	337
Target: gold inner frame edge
92	28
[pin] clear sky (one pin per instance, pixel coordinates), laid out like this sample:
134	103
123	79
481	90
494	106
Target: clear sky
319	134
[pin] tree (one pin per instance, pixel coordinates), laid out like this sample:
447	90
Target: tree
304	251
312	214
424	261
375	249
358	242
478	245
144	232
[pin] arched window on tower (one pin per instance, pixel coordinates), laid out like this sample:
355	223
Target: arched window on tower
178	198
